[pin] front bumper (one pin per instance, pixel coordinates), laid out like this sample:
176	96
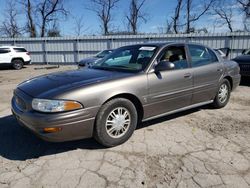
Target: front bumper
74	125
245	70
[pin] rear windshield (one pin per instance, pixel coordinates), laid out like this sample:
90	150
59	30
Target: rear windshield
20	50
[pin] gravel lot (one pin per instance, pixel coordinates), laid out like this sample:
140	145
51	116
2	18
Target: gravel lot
198	148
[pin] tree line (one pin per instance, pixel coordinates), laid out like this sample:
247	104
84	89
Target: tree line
187	12
42	17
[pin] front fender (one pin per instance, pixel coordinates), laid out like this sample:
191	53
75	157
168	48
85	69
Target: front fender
96	94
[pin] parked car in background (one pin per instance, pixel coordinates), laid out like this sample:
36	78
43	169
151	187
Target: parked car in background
223	52
14	56
244	63
92	60
133	84
246	52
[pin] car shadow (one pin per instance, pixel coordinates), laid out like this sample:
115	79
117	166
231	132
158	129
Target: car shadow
18	143
245	81
171	117
8	67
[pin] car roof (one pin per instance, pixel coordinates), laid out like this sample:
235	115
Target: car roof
149	44
161	44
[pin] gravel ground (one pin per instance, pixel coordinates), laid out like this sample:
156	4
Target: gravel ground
202	147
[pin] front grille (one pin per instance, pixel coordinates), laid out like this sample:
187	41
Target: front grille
20	103
244	67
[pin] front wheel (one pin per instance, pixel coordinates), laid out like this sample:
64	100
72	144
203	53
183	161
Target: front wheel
115	122
223	94
17	64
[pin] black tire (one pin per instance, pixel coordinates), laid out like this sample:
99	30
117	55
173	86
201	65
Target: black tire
101	128
218	102
17	64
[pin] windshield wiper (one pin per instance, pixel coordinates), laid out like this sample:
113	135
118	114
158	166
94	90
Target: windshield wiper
121	66
101	67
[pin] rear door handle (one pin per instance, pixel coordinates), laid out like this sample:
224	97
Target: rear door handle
187	75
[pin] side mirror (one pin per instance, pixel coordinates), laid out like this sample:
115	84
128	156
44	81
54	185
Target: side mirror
82	64
164	65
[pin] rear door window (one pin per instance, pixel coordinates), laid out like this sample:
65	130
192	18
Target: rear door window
201	56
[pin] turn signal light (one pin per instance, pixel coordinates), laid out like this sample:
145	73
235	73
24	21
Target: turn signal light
71	105
52	129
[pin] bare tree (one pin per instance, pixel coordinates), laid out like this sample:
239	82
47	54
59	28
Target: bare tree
169	27
186	14
79	25
202	30
245	7
49	11
29	11
135	15
54	31
177	15
103	9
225	14
166	28
161	29
9	26
192	16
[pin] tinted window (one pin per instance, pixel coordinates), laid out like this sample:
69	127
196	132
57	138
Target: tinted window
4	50
20	50
176	55
201	56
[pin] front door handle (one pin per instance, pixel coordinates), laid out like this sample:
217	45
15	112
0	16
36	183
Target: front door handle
187	75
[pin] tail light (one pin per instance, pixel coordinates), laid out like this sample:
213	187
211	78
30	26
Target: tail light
28	53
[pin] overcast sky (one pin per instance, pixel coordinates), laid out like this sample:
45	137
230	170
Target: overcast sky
158	11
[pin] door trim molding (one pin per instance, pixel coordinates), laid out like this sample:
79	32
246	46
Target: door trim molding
179	110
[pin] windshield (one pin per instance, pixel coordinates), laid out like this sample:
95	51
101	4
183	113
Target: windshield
102	54
131	59
246	52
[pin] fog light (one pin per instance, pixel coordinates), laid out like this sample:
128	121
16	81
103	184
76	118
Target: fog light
52	129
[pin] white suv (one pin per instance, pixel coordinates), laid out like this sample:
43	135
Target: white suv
14	56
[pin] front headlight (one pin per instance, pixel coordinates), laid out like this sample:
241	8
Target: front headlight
44	105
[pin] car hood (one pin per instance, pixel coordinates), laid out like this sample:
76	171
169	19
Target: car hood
56	83
242	59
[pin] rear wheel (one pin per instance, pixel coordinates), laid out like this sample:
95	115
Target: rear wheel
17	64
115	122
223	94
